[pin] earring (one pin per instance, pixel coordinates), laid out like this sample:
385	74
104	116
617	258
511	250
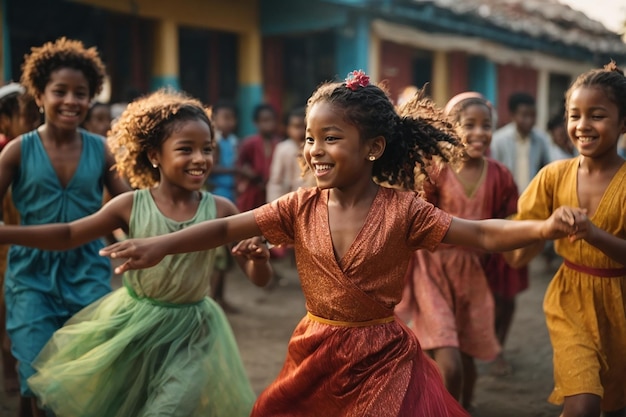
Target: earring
41	109
154	166
372	158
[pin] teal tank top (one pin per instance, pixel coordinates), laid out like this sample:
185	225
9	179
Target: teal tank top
78	275
178	279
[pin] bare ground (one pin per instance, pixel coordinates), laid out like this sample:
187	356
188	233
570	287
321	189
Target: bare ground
266	319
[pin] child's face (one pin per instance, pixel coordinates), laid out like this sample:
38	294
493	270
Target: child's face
296	129
475	130
525	117
559	137
225	121
333	148
65	99
99	121
593	122
186	156
266	123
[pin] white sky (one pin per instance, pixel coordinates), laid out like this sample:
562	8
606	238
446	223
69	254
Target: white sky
612	13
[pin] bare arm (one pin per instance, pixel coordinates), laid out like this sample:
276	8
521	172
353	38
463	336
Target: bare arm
611	245
521	257
497	235
10	159
143	253
63	236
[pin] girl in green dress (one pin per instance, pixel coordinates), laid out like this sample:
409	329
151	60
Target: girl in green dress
157	346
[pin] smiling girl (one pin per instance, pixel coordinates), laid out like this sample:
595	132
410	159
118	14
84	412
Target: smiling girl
353	240
56	173
585	303
447	299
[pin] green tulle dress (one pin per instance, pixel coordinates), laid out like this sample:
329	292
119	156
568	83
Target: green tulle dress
156	347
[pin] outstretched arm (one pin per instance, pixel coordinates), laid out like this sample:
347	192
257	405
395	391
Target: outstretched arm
497	235
611	245
253	257
143	253
63	236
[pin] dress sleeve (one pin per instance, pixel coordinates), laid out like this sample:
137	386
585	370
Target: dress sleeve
536	202
428	224
277	219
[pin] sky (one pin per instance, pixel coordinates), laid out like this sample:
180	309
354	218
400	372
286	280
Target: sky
612	13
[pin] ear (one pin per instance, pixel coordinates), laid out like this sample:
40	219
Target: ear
153	157
376	148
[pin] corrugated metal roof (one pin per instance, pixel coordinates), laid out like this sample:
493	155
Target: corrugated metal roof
544	19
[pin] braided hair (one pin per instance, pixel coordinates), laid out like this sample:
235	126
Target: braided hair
610	78
416	135
143	127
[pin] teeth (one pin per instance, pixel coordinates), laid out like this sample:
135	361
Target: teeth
196	171
324	167
69	113
584	139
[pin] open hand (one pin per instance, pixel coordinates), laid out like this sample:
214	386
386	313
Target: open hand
140	253
252	249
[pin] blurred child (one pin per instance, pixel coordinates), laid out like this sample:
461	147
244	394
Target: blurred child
222	183
56	173
98	119
286	170
18	114
255	159
353	239
560	147
447	297
586	301
158	345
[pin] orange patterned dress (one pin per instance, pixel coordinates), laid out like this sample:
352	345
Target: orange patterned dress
585	304
349	356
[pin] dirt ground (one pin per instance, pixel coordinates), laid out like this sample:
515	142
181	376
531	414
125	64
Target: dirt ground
266	319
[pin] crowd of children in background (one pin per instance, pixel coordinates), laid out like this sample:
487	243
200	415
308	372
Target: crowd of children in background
312	186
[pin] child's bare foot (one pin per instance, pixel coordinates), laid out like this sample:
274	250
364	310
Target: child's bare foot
500	367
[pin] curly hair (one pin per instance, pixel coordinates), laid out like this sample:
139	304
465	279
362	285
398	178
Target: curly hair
610	78
143	127
62	53
417	135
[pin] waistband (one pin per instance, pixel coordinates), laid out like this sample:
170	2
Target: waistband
159	303
374	322
598	272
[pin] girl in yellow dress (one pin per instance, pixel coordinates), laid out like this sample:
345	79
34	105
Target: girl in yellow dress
585	304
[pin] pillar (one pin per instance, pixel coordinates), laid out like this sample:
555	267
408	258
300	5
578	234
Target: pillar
250	78
165	64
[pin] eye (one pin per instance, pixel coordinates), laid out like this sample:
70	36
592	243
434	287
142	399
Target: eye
331	138
309	140
208	150
574	116
184	149
598	116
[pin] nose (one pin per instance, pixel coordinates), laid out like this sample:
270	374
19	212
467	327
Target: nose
314	148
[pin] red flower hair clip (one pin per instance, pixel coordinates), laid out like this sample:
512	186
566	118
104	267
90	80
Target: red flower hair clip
356	79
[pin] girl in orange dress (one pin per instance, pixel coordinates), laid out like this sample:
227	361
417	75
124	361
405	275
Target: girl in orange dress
353	240
447	300
585	304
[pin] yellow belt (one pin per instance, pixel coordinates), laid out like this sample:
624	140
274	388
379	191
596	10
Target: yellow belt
374	322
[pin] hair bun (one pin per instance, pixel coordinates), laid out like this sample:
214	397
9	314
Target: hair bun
612	66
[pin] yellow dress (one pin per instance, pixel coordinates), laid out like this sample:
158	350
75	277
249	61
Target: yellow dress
585	312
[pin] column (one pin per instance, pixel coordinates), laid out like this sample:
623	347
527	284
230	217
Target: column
165	64
250	76
543	98
353	47
440	91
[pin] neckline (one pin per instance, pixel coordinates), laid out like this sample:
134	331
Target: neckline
154	205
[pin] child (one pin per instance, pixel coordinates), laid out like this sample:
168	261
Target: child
447	296
18	114
56	173
560	147
158	346
285	170
523	149
98	119
585	301
222	183
255	158
353	241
